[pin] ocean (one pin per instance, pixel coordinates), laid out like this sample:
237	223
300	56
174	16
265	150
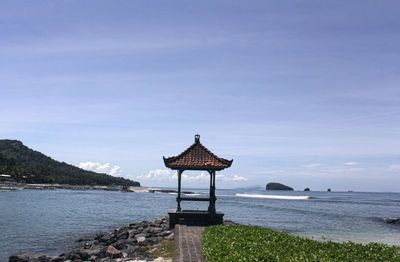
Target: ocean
51	221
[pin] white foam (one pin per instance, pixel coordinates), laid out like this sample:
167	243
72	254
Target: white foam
275	197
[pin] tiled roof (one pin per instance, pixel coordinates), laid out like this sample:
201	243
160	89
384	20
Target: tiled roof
197	157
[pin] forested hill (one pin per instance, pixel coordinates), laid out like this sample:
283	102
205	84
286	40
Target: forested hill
27	165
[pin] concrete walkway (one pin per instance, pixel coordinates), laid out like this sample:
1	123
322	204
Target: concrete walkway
189	243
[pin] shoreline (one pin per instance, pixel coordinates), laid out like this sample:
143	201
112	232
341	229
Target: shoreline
133	242
19	186
136	242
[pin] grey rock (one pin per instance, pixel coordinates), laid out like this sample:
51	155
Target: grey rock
157	229
44	258
132	233
95	251
87	245
129	249
83	254
113	251
73	256
141	240
18	258
27	257
120	244
123	235
106	238
165	233
58	259
171	236
140	235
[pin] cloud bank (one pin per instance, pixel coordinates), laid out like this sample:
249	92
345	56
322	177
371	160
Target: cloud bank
106	168
170	177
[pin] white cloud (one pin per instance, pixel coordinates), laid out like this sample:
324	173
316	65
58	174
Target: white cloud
166	176
237	178
158	175
201	177
106	168
395	167
313	165
351	164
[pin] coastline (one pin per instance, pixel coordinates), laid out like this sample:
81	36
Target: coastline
20	186
143	241
68	215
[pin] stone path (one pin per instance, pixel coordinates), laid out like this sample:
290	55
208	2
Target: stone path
189	243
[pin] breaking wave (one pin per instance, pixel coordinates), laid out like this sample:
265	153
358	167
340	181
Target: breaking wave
275	197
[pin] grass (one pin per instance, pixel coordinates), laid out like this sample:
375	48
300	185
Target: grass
165	249
254	243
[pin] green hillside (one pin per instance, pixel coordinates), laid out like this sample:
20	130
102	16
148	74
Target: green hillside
27	165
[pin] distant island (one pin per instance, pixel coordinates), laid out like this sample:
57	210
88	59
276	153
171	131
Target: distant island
277	186
25	165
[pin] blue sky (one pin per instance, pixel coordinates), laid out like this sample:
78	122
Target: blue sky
301	92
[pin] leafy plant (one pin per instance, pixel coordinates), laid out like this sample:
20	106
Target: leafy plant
254	243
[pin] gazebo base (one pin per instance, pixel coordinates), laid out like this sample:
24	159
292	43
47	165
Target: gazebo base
194	218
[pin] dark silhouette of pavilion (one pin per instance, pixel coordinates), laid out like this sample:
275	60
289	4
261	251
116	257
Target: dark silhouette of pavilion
196	157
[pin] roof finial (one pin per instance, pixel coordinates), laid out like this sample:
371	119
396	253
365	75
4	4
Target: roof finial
197	138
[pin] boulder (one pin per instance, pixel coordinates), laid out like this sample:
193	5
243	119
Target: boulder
113	251
58	259
120	244
123	235
170	237
141	240
307	189
165	233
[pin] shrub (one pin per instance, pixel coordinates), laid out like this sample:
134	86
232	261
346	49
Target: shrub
254	243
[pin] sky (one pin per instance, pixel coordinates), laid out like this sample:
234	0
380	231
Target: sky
305	93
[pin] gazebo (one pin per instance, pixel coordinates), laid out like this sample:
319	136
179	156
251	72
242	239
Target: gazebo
196	157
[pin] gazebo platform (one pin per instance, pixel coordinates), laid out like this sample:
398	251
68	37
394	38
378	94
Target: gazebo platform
196	157
194	218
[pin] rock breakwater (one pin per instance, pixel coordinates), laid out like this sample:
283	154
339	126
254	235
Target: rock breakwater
128	243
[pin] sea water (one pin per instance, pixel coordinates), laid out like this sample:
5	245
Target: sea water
50	221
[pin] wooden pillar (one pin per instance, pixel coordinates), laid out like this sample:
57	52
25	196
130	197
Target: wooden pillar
211	208
210	193
178	198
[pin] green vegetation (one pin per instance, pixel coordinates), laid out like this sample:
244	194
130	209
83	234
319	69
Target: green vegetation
254	243
27	165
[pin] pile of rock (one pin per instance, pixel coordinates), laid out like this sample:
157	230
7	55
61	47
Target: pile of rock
123	244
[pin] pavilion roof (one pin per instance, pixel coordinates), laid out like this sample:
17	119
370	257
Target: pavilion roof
197	157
